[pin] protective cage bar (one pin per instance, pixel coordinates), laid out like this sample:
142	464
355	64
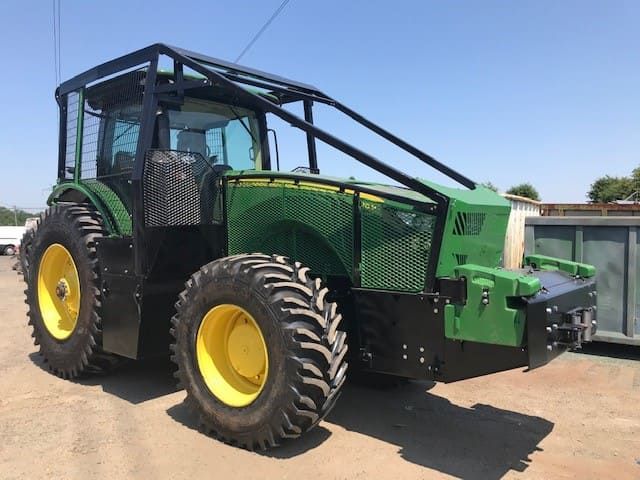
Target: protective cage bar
230	74
229	77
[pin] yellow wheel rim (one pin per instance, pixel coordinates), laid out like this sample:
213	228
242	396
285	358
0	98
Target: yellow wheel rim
232	355
58	291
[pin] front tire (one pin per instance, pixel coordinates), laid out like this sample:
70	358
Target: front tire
63	292
243	395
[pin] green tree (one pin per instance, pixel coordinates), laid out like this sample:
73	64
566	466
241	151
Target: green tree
490	186
525	190
8	216
608	189
635	179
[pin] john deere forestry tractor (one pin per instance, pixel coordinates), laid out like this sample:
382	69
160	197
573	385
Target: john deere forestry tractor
172	230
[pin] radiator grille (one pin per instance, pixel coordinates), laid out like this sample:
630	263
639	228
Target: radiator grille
469	223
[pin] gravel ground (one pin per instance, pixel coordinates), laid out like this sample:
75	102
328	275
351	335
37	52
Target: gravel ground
578	417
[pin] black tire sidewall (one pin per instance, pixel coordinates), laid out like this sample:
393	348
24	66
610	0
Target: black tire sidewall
60	227
25	249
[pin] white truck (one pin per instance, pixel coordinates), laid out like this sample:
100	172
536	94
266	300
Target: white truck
10	238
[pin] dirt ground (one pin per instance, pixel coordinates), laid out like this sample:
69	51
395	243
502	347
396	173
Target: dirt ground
578	417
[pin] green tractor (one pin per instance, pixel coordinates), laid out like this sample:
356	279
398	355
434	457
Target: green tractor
167	187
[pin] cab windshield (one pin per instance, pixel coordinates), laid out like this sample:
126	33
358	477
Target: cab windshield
222	134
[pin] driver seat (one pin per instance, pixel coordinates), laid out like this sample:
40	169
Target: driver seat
192	141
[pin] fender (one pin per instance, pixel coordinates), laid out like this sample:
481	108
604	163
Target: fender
101	197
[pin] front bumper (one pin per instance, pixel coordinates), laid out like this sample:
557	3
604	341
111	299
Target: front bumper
560	317
405	334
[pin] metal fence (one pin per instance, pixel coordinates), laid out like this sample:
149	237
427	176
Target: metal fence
629	209
609	243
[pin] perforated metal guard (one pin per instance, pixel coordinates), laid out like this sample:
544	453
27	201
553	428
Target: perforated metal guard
216	144
179	189
312	226
116	100
316	227
395	247
115	206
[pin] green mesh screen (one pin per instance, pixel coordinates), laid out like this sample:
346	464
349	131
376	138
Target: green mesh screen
312	226
113	203
395	247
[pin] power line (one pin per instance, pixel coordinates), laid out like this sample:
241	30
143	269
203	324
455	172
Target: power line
261	31
55	43
59	50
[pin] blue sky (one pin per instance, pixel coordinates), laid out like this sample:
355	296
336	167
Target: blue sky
506	91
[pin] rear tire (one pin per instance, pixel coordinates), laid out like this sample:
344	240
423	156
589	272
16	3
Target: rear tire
74	229
25	248
9	250
305	351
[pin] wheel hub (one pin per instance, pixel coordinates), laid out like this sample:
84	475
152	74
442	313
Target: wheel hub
245	351
62	289
231	354
58	291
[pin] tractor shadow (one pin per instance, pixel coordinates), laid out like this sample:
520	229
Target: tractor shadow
430	431
182	414
611	351
477	442
133	381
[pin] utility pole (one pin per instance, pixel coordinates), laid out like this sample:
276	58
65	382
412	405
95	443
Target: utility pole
15	215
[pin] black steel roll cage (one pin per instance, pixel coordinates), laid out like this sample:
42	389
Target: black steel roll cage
229	77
